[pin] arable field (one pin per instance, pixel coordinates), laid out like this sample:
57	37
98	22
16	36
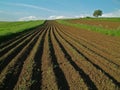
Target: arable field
58	55
108	26
112	24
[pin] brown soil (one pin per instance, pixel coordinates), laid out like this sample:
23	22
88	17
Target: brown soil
100	23
59	57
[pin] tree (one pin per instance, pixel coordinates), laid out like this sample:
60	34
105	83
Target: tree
97	13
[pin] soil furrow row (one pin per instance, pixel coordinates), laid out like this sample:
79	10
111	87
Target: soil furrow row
12	71
94	50
55	56
85	36
85	77
13	52
72	76
60	78
26	78
98	78
36	72
4	44
110	69
22	34
47	74
14	43
88	59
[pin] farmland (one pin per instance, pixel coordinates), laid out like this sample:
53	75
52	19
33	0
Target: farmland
108	26
62	55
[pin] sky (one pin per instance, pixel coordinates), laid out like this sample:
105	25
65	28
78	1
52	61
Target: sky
20	10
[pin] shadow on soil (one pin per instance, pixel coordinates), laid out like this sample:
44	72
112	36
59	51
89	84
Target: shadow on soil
6	60
60	77
98	67
36	76
90	84
13	75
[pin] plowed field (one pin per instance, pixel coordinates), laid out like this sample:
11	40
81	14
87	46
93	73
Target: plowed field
100	23
58	57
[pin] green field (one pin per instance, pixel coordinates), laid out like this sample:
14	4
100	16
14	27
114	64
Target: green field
9	29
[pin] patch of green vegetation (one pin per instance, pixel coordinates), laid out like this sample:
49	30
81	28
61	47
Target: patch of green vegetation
9	29
93	28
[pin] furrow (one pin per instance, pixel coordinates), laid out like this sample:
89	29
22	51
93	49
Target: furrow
48	77
83	37
4	44
117	42
95	50
26	78
4	60
90	84
60	78
99	79
36	72
10	74
100	62
22	34
14	43
73	77
88	59
54	56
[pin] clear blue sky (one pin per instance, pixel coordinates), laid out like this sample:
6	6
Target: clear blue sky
50	9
